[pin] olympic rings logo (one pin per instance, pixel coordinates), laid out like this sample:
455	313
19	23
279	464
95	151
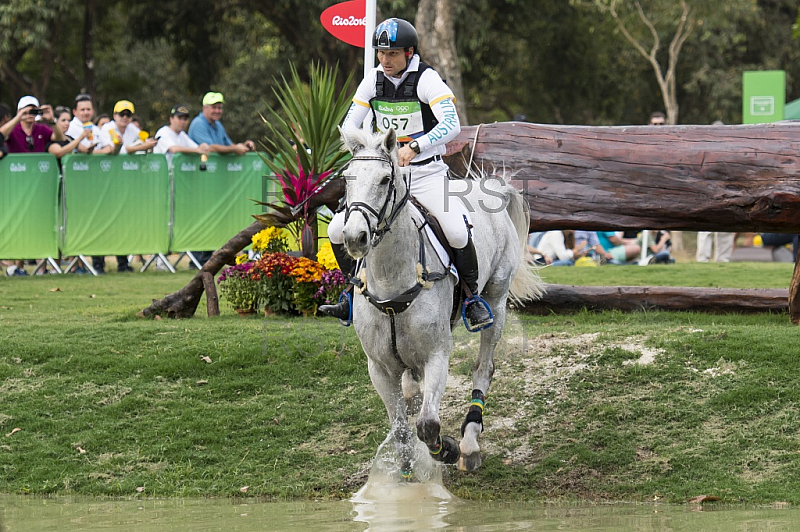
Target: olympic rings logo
403	108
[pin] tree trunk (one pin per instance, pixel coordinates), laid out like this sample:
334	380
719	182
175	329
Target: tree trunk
183	303
435	24
561	298
694	178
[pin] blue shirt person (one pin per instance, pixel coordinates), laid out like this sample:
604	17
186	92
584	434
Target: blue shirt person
207	128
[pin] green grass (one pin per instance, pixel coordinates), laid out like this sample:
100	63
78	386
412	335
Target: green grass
108	403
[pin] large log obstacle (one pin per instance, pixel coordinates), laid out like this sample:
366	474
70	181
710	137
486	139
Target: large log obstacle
706	178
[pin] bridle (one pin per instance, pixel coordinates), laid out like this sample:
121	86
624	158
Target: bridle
383	223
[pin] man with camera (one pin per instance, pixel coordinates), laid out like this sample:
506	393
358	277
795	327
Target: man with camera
27	132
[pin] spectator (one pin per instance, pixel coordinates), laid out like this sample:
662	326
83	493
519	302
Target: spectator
657	119
593	246
660	245
722	242
5	113
621	249
101	120
173	139
24	133
61	148
560	248
207	128
776	241
122	133
82	118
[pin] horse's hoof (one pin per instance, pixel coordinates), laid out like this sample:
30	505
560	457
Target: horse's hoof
406	475
448	452
469	462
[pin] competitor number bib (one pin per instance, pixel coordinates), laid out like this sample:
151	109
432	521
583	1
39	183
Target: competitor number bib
404	117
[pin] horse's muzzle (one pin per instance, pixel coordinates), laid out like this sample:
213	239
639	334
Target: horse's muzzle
357	242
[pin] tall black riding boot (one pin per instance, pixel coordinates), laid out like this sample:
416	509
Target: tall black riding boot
341	309
466	262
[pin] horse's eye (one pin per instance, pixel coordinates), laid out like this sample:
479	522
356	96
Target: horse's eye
385	180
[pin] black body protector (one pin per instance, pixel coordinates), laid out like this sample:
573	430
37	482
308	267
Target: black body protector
400	108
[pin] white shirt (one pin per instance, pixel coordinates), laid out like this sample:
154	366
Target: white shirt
552	245
167	138
431	89
131	135
76	129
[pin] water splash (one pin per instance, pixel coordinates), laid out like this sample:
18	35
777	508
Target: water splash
388	502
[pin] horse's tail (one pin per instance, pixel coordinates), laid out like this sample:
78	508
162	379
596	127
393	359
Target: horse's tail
526	284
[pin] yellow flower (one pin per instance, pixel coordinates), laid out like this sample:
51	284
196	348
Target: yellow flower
262	239
326	257
240	259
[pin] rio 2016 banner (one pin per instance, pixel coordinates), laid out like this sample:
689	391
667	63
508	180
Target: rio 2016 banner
29	206
346	21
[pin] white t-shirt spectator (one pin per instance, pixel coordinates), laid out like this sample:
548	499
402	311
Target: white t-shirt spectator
167	138
131	135
76	129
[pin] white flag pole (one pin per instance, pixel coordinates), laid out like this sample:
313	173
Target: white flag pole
369	27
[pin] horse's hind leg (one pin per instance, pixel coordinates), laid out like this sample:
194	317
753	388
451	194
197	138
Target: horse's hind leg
387	384
482	372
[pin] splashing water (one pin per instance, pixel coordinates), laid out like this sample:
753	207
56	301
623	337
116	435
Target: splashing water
384	501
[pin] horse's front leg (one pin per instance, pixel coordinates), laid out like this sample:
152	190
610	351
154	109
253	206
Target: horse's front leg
387	383
482	372
442	448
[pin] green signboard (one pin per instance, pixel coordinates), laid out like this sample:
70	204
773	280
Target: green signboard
28	206
213	205
763	96
116	204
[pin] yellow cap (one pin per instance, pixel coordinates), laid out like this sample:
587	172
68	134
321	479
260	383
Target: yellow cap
213	97
123	105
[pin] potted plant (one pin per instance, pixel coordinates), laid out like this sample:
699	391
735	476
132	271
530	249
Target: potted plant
238	288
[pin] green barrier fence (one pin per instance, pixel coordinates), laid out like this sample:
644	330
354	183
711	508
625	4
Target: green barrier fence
211	206
116	205
29	206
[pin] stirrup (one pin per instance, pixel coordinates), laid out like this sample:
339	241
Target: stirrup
481	326
347	294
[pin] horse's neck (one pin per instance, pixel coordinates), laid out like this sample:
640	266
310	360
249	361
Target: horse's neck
391	266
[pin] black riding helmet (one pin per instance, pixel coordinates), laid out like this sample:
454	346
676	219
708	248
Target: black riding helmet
394	33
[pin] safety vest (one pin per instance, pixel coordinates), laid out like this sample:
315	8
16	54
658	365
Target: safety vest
400	108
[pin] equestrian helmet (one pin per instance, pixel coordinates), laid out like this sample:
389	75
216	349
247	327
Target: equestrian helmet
394	33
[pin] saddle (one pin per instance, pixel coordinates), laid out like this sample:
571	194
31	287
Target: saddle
431	221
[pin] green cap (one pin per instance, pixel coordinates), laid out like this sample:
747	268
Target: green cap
213	97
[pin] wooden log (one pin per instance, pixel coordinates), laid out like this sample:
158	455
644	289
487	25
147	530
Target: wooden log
561	298
696	178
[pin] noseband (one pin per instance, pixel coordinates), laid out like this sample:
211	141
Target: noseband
383	223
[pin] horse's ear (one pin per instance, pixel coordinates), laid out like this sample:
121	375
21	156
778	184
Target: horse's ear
350	141
390	141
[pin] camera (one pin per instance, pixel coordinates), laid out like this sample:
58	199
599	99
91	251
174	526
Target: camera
203	160
35	111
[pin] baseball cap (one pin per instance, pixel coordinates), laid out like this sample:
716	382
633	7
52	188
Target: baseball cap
27	101
179	110
123	105
213	97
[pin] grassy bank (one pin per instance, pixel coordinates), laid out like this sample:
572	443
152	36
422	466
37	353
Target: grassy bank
623	406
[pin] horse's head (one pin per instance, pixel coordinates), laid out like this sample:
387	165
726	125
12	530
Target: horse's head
374	187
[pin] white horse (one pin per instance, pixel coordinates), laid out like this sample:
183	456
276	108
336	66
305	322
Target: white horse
404	346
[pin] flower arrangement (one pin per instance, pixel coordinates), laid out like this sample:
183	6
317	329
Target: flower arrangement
307	275
238	287
270	240
275	282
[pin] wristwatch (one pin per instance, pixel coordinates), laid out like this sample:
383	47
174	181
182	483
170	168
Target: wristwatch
414	145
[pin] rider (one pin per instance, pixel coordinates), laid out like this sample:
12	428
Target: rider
406	94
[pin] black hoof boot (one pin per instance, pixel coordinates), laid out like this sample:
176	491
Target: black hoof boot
445	451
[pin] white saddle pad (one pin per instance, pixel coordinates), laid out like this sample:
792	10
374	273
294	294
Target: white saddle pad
440	251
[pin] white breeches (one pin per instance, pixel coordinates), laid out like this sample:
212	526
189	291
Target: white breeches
430	187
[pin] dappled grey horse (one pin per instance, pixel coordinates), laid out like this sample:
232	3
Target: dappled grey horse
403	308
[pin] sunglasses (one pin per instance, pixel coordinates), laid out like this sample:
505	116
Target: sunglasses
126	114
29	141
